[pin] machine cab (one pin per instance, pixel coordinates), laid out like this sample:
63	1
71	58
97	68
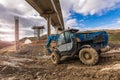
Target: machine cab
64	42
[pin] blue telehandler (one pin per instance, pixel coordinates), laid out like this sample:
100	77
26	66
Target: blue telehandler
87	45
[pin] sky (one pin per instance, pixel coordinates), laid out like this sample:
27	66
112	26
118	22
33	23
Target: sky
80	14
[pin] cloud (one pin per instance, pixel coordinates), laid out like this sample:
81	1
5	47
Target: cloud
2	32
92	7
71	23
88	7
66	7
7	37
113	26
28	17
74	24
118	21
20	5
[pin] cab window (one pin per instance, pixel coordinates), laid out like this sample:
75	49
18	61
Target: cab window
67	37
61	39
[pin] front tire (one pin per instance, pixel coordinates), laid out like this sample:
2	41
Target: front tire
88	56
55	58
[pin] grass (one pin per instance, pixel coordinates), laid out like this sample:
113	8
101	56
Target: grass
114	36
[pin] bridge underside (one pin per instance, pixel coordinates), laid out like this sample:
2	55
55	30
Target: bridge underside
51	11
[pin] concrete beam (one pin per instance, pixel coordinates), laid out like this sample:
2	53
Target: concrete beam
52	7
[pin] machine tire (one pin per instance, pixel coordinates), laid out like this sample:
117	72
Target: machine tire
88	56
55	58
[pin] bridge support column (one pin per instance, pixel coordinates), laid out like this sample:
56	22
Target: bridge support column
37	31
48	25
38	34
16	33
56	29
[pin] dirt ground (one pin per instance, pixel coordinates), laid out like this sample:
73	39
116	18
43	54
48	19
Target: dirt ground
32	62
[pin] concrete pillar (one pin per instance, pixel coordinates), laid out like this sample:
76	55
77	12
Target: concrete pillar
34	32
48	25
38	34
56	29
16	32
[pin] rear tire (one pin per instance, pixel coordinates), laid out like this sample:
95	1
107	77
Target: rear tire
55	58
88	56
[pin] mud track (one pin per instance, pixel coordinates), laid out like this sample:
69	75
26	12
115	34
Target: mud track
33	63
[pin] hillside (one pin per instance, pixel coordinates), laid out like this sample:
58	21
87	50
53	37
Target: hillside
114	36
4	44
44	37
